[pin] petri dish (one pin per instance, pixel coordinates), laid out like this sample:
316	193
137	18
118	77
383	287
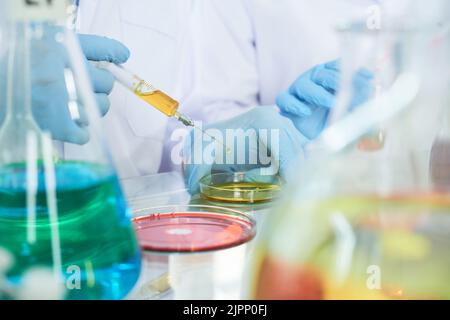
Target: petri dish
239	188
192	252
184	229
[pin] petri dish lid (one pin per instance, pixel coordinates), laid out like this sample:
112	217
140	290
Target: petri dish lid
190	231
240	187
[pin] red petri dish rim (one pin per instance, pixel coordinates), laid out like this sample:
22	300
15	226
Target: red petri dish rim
193	231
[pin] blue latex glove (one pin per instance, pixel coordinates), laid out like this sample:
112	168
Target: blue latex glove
266	123
98	48
49	95
309	100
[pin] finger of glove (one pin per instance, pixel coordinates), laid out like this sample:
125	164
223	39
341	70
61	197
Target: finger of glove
97	48
326	78
292	144
54	113
289	144
257	175
312	94
333	65
103	103
336	66
312	126
365	73
76	134
193	174
65	130
79	116
199	162
362	90
102	80
290	104
193	171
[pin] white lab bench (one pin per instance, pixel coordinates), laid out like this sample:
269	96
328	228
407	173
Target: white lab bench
222	274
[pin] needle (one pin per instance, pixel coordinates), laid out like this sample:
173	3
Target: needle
189	123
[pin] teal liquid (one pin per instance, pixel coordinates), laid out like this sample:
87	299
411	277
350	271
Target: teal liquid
99	254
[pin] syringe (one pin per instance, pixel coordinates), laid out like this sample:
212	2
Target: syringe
155	97
147	92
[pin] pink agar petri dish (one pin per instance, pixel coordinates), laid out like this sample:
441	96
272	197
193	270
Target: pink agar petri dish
184	232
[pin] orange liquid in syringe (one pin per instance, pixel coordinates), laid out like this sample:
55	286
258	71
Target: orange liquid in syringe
160	101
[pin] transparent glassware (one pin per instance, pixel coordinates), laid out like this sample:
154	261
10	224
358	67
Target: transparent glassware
238	188
366	58
369	225
61	205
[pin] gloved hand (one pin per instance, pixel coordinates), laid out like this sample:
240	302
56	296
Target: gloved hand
49	95
98	48
309	100
272	144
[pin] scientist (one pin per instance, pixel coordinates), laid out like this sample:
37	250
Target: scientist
131	151
246	53
225	60
159	34
209	49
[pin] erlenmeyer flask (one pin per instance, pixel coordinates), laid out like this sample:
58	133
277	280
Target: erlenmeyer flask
64	214
369	225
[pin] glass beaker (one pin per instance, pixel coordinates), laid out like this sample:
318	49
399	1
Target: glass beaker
369	225
63	211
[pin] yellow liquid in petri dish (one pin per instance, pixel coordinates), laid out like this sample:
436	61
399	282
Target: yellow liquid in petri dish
160	101
241	192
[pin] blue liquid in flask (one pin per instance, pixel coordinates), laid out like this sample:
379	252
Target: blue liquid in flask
93	241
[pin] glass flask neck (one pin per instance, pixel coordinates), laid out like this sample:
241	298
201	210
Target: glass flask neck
19	78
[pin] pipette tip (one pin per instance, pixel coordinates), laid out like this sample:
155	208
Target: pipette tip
185	120
189	123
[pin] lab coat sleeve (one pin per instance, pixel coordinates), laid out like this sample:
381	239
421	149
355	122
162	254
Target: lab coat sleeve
218	75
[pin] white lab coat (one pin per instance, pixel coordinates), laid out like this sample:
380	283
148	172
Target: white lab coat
246	52
226	56
152	30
